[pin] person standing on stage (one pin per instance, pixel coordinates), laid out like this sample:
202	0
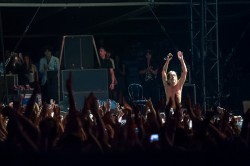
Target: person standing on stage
30	71
148	72
172	85
47	63
106	63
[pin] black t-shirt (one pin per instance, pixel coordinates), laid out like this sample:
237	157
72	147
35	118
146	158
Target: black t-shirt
148	76
106	63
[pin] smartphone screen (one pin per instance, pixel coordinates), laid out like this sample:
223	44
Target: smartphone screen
154	137
136	130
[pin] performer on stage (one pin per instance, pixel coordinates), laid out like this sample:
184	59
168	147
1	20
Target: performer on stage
172	85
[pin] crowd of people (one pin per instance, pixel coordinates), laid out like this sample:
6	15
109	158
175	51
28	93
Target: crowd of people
96	132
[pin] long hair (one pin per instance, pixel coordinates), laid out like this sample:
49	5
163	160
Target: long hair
29	65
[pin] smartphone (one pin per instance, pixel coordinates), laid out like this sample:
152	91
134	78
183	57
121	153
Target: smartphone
136	130
154	137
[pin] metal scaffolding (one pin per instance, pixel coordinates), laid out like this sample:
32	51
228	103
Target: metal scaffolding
205	64
205	49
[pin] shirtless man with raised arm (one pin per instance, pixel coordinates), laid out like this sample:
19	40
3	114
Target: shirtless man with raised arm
172	85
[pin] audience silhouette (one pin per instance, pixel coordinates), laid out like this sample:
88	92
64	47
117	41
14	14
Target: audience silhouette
97	134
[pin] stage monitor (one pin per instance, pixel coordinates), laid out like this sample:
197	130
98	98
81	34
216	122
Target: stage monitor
85	82
79	52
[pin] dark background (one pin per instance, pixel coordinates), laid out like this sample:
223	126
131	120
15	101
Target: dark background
129	28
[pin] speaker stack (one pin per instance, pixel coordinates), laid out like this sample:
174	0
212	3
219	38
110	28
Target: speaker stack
84	82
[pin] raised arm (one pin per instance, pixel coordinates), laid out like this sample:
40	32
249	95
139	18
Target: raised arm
71	98
183	67
165	68
29	112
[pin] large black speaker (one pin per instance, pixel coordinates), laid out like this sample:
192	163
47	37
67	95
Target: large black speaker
85	82
79	52
189	89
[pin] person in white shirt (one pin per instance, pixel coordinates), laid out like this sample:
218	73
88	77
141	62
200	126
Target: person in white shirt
47	63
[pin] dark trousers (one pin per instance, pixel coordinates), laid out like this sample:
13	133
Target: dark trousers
44	93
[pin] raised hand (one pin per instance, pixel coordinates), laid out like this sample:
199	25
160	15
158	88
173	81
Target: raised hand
180	55
111	86
169	57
